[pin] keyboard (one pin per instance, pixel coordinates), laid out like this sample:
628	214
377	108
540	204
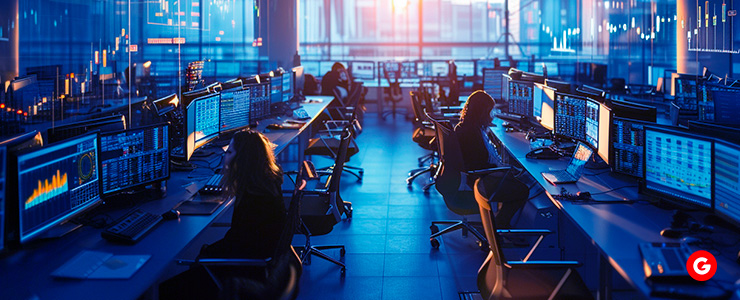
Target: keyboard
213	186
132	227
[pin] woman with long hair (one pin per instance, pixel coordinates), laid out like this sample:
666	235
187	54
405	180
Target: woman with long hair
477	149
254	179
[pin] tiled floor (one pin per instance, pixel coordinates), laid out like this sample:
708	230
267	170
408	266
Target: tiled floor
388	251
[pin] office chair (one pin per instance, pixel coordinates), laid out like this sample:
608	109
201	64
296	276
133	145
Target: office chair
451	183
322	206
424	137
525	279
282	270
328	142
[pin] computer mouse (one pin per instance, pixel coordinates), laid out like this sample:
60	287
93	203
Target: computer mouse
543	153
671	233
173	214
690	240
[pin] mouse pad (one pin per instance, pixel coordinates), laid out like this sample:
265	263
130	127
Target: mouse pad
189	207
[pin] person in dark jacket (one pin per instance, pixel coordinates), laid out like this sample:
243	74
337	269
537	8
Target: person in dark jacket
479	151
253	177
337	76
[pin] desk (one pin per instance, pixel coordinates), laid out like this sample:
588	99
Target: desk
614	229
24	274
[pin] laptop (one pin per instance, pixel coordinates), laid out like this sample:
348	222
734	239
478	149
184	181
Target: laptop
575	168
665	260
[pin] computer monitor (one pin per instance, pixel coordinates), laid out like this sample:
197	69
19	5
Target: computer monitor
312	67
493	82
234	110
3	167
593	130
570	116
232	84
627	146
631	110
531	77
726	178
134	158
259	104
203	115
707	104
299	80
686	90
276	89
287	86
362	70
31	139
483	64
104	124
167	104
678	166
717	131
440	69
605	131
465	67
592	92
726	106
408	70
57	182
389	67
520	97
188	97
561	86
544	105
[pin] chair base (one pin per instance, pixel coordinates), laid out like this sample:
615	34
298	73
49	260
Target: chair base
360	171
387	113
426	158
463	225
308	250
413	174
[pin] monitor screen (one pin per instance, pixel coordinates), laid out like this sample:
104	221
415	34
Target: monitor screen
686	93
362	70
408	70
440	68
287	86
203	116
56	182
605	127
726	178
592	123
707	105
276	89
234	110
493	81
520	97
726	106
580	157
312	67
259	104
627	142
465	67
298	80
547	107
678	166
570	116
389	67
134	158
481	65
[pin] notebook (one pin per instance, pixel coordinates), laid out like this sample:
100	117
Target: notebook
575	168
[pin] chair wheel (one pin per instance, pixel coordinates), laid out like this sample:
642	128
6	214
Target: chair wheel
435	243
342	252
434	228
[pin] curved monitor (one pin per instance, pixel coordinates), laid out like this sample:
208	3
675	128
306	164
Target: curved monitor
726	133
561	86
203	116
726	174
630	110
57	182
104	124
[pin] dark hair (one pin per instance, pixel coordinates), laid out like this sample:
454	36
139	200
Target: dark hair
253	170
477	109
337	66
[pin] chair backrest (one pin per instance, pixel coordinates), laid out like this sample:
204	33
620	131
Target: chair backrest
341	94
336	175
491	274
416	106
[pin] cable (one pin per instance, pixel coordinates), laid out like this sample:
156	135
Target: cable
614	189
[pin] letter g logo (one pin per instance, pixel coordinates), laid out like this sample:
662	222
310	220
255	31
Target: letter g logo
701	265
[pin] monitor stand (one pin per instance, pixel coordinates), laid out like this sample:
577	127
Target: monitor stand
59	230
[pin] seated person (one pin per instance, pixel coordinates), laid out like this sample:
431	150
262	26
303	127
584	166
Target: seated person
254	178
477	149
338	76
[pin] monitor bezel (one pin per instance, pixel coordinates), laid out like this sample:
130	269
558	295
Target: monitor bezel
166	126
24	238
685	203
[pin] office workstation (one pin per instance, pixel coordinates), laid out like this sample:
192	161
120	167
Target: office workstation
399	149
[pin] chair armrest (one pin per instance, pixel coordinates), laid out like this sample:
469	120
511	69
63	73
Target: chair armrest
542	264
523	231
486	171
244	262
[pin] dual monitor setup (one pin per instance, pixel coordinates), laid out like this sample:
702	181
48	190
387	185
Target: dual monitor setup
707	97
44	186
694	167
